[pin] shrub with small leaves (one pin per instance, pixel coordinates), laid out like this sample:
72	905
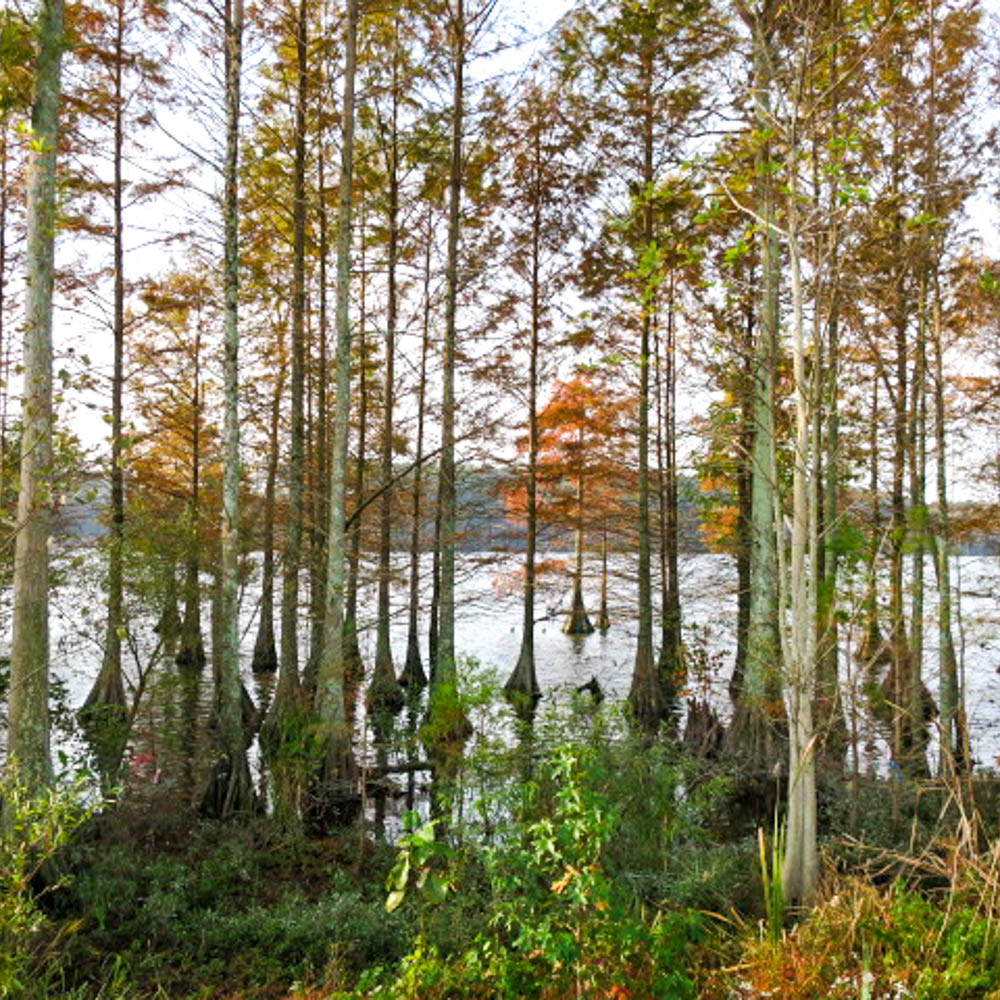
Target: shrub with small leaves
35	827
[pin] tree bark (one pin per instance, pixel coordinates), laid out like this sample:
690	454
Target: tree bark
265	656
646	698
104	715
413	676
385	696
28	732
234	792
759	711
288	677
335	784
522	688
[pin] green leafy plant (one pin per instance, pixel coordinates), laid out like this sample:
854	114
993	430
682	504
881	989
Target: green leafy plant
770	875
558	917
35	827
418	850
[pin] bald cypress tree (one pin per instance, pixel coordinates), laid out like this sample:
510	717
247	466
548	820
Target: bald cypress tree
28	735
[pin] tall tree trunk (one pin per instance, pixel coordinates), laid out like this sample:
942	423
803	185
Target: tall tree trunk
829	709
413	676
671	662
954	749
578	621
354	670
104	715
917	738
28	725
191	652
759	710
233	792
385	696
647	699
288	678
603	618
744	489
800	869
434	622
4	338
336	763
954	756
265	656
445	672
321	499
522	688
448	727
899	646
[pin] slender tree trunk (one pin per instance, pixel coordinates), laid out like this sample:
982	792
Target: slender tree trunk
954	751
265	656
4	382
104	715
354	670
800	870
413	676
288	678
336	766
829	708
434	623
448	727
759	710
671	664
872	649
954	756
578	621
898	640
522	686
191	653
445	673
917	737
603	618
744	492
28	725
321	500
647	699
385	696
168	625
233	792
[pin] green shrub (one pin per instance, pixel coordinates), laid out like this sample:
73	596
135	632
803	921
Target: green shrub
35	828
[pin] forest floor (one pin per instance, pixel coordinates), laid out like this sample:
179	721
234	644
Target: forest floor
614	872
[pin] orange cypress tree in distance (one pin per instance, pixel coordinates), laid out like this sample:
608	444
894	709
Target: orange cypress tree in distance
582	471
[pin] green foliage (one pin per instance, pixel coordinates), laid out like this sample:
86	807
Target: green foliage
417	852
222	913
556	922
946	953
35	829
863	941
770	874
17	52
